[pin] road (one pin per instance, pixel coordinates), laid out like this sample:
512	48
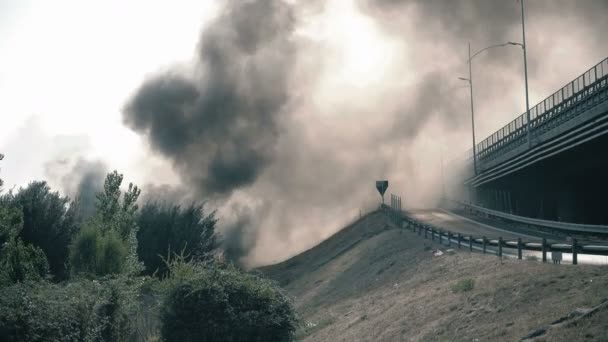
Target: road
459	224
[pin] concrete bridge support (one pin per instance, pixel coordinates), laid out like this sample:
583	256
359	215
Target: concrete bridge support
570	187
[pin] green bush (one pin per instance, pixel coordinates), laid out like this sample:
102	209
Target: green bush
107	243
463	285
224	304
49	222
79	311
19	262
97	253
163	229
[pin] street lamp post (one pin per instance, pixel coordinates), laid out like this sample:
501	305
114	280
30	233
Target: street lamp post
523	45
470	81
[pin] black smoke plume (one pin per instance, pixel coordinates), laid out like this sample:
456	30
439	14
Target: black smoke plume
218	124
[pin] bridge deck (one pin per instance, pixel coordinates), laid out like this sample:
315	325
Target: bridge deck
579	96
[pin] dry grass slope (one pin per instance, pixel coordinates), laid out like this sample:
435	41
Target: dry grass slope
375	282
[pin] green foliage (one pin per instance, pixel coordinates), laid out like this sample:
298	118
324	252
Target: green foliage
96	253
107	244
18	262
223	303
49	222
171	228
80	311
11	222
463	285
113	214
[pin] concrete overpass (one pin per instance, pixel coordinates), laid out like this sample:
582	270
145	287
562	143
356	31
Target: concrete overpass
562	173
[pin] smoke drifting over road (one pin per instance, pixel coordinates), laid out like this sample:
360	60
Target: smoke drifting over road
290	111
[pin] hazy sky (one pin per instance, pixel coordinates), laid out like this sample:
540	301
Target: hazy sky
367	89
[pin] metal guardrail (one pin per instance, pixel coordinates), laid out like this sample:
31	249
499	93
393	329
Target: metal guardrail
587	228
458	239
566	103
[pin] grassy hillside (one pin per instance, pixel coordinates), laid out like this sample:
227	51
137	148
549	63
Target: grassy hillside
375	282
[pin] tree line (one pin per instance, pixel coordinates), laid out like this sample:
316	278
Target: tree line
125	273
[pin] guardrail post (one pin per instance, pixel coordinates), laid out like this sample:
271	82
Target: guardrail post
544	249
500	247
432	234
484	244
440	237
519	248
449	239
470	243
459	240
574	252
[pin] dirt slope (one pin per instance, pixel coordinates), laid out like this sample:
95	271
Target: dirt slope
375	282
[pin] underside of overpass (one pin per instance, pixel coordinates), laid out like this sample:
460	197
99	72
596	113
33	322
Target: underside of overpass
571	186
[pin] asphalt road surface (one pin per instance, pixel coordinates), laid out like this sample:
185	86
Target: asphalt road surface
460	224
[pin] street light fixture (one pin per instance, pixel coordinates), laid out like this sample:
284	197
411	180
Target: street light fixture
523	46
470	81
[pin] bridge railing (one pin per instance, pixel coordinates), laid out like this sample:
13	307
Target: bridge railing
554	225
483	243
563	103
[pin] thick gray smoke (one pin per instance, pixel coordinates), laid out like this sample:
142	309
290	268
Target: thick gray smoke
218	124
261	124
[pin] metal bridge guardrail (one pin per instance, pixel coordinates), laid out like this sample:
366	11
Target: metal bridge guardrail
458	239
591	87
587	228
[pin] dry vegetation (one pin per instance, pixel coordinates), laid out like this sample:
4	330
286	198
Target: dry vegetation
375	282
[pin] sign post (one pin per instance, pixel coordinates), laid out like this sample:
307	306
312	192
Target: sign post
382	186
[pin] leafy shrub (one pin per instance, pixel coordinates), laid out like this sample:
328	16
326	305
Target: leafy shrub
96	253
107	243
223	303
163	229
463	285
80	311
49	222
18	262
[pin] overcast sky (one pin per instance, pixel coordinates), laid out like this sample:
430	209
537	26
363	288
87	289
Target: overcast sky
360	90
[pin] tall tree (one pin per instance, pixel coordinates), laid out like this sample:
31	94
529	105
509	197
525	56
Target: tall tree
18	261
164	229
107	243
49	222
